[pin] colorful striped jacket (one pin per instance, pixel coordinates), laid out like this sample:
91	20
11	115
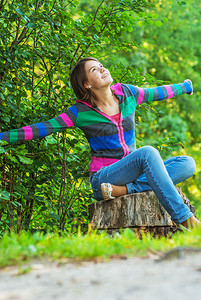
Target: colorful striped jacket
109	141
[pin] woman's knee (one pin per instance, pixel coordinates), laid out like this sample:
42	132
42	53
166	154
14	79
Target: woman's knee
149	150
189	165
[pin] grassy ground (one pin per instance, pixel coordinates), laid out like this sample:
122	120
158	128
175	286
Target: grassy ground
15	250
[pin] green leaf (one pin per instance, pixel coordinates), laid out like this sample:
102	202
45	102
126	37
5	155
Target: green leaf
25	160
51	140
130	29
4	195
7	84
2	96
5	119
31	25
55	216
165	20
158	23
150	15
2	150
25	18
13	159
19	11
181	2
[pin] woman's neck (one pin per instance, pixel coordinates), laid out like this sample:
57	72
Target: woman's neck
107	102
104	97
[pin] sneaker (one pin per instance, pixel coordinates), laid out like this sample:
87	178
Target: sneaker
106	190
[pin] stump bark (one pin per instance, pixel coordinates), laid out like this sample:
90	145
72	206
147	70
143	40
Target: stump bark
140	211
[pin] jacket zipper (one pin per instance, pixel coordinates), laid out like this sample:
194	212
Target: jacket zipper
122	141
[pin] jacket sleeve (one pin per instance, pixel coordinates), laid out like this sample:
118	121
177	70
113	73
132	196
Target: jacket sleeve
161	92
40	130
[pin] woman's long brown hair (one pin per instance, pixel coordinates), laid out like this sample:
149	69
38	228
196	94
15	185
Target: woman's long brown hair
78	77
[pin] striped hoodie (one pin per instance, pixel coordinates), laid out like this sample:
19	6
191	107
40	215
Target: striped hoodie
109	141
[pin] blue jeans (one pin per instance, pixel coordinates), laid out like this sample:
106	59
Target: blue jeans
144	170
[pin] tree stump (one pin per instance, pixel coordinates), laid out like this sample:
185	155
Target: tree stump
140	211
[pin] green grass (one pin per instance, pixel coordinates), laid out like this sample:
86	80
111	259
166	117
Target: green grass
15	250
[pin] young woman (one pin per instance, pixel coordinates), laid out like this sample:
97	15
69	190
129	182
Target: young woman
105	113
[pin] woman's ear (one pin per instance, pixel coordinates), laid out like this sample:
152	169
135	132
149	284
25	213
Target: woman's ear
87	85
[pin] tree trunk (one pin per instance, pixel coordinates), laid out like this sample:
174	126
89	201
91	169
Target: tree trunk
138	211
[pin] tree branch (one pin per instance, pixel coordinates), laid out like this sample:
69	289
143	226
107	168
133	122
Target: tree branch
78	47
95	16
48	71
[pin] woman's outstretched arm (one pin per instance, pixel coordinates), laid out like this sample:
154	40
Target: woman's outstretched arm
39	130
161	92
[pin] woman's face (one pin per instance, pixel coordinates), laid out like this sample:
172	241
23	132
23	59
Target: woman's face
97	75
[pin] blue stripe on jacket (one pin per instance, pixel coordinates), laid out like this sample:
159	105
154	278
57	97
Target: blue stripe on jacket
104	142
74	110
129	137
132	89
160	93
188	87
42	129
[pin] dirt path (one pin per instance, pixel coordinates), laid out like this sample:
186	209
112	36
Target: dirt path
133	278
